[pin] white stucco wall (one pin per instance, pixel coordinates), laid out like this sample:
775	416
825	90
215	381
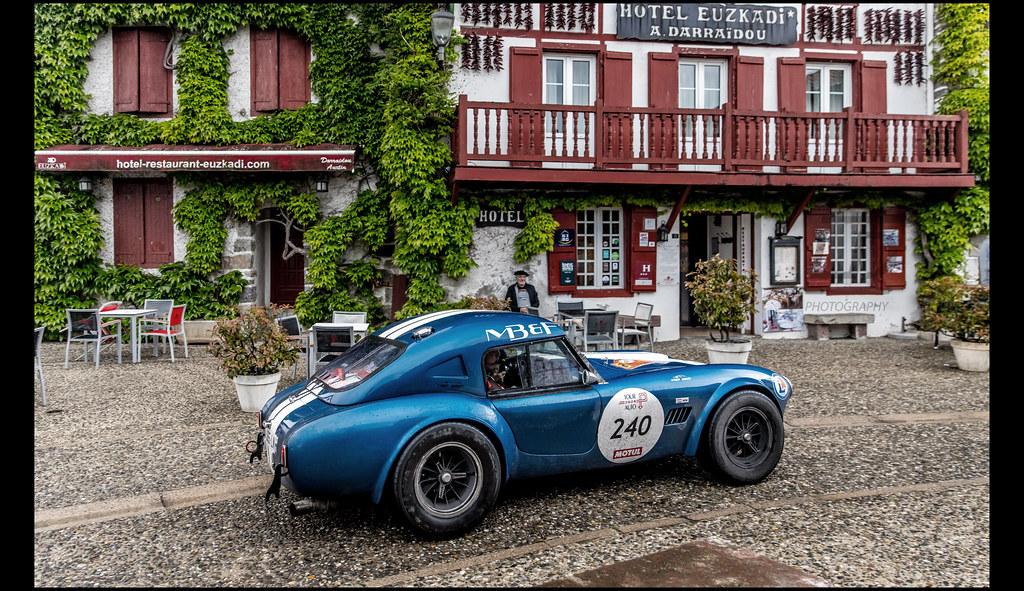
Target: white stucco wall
889	308
239	74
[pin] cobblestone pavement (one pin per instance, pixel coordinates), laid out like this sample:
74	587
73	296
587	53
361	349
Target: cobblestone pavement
121	431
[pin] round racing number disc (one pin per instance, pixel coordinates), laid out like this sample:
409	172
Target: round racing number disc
630	425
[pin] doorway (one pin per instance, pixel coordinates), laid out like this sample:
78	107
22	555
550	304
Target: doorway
704	236
287	276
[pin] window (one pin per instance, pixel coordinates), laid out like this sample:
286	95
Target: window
599	248
280	70
537	366
702	84
828	87
142	83
850	248
568	80
360	362
143	227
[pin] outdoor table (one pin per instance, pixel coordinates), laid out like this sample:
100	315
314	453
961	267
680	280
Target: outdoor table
133	316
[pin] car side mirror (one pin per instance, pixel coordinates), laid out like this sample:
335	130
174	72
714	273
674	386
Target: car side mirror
584	377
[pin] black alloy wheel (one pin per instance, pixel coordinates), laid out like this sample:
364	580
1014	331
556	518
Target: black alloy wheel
447	478
744	438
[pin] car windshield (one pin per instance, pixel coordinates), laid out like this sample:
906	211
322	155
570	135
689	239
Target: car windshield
358	363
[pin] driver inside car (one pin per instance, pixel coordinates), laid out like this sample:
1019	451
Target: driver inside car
493	372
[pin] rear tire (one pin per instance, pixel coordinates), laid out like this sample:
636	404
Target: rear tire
744	439
447	478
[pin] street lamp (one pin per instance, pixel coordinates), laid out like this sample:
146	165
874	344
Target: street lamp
441	22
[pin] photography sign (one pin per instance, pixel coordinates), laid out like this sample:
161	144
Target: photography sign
746	24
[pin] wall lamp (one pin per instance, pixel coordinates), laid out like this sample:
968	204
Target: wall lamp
781	228
441	22
85	184
662	233
321	186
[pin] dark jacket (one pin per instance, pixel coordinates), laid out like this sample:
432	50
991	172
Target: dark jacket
510	294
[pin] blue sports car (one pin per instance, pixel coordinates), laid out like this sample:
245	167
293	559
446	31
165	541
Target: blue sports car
440	410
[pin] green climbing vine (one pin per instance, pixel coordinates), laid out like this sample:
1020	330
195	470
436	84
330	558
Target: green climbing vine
392	103
961	63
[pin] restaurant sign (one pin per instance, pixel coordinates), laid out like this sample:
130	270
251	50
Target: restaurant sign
745	24
182	158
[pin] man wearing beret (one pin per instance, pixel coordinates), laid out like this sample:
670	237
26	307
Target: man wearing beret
521	294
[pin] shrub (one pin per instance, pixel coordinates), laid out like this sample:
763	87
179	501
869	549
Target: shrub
482	303
251	345
722	296
958	310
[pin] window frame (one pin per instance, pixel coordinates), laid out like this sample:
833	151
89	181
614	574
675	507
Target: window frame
847	247
699	88
145	197
506	393
595	250
845	67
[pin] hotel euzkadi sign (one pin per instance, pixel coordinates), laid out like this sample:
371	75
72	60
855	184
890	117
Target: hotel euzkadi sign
744	24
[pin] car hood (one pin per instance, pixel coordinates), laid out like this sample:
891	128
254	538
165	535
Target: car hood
618	364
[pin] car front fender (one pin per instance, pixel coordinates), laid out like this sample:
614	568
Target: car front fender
723	390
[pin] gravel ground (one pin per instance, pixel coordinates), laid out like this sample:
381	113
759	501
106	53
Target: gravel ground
130	429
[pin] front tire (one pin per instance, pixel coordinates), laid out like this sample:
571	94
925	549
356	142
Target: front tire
744	440
447	478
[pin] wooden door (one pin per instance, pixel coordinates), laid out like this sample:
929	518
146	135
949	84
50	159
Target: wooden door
287	277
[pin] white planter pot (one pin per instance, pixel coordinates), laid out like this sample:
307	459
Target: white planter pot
255	391
728	352
970	356
199	331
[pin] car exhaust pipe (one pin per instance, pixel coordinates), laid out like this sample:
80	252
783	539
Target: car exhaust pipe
303	506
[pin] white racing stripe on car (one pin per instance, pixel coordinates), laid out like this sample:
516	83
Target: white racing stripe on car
278	415
433	317
401	325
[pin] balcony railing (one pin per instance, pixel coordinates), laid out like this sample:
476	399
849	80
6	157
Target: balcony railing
502	134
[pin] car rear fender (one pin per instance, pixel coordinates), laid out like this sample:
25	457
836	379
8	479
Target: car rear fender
445	408
726	388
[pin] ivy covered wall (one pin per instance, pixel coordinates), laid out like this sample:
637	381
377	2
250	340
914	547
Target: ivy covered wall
393	104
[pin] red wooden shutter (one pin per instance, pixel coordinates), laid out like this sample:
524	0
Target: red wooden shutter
894	260
126	70
792	85
749	97
526	126
817	219
129	241
662	93
159	225
643	249
293	70
264	71
154	78
873	84
617	91
562	254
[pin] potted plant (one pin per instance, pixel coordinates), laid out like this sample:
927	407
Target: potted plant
960	311
252	348
723	299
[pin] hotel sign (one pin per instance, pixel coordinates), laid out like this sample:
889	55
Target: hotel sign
743	24
182	159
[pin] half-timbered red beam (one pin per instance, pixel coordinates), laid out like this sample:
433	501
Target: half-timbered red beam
678	207
799	209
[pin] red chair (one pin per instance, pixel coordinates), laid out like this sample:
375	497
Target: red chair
173	327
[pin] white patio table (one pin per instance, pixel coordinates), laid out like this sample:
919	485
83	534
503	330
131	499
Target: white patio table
133	316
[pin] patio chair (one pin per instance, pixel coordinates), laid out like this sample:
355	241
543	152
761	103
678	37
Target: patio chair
111	305
570	308
290	325
174	327
348	317
39	362
328	344
84	326
599	328
641	326
157	319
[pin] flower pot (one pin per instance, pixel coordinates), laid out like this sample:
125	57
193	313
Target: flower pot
255	391
199	331
970	356
730	352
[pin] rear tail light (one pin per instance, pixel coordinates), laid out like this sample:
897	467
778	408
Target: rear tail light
284	455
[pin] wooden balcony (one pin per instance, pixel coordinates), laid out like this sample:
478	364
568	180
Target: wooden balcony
640	145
